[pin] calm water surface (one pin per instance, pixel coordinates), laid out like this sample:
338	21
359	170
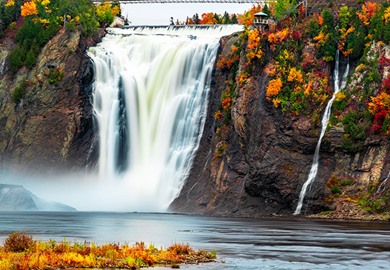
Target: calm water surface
240	243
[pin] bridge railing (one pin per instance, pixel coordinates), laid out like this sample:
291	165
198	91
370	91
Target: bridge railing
192	1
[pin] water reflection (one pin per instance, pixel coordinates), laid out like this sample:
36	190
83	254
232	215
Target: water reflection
240	243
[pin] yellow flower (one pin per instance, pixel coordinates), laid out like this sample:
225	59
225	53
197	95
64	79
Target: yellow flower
45	2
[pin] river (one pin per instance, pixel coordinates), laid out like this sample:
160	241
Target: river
240	243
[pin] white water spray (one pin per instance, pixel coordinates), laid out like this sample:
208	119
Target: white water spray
324	123
150	100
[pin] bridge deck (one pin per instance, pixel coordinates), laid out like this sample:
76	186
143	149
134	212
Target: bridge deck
192	1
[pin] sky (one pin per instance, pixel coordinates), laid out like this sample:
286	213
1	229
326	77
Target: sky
160	14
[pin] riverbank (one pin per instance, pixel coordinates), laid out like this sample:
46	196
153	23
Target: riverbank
20	251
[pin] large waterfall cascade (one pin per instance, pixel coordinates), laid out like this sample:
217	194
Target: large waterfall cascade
324	124
150	100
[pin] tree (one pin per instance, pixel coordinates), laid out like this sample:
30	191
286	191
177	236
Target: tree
9	12
285	8
386	18
248	17
314	27
326	39
266	10
368	11
328	24
355	40
226	18
106	13
208	18
376	26
234	19
195	18
217	18
344	16
274	87
28	9
30	60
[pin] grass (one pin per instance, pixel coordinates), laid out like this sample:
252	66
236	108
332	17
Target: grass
30	254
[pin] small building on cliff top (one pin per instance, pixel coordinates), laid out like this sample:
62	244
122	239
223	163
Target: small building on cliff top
262	21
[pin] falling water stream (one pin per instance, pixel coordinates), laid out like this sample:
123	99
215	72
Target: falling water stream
150	99
324	124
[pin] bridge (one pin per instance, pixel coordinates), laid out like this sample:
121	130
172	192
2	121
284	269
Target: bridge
262	2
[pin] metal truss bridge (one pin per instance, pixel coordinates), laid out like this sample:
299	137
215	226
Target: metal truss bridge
192	1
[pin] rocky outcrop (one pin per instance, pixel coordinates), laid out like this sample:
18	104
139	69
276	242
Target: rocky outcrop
267	158
49	124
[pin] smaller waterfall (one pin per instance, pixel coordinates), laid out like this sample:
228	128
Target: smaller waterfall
383	184
2	66
324	124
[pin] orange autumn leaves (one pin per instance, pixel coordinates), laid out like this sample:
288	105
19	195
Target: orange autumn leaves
295	86
254	49
379	107
274	87
368	11
295	75
64	255
29	8
278	37
10	3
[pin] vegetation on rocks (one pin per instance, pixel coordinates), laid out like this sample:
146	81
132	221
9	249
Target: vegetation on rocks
274	82
353	200
33	23
302	51
21	252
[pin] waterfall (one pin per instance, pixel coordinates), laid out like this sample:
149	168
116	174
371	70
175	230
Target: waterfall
324	123
150	100
382	186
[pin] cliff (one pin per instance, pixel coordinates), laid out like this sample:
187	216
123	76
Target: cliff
269	92
45	111
256	163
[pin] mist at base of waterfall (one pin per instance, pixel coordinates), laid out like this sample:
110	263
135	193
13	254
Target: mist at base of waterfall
85	192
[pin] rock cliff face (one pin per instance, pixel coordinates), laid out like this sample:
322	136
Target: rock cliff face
266	158
50	123
253	166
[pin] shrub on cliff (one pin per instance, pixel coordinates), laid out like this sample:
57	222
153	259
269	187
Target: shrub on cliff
44	18
9	12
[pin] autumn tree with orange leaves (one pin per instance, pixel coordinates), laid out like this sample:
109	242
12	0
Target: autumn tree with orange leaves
43	19
247	17
29	8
